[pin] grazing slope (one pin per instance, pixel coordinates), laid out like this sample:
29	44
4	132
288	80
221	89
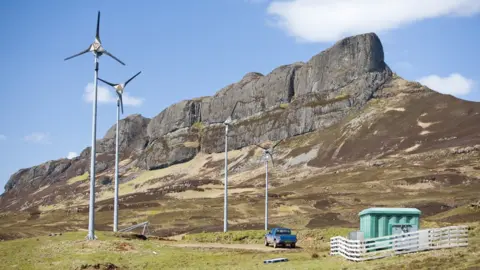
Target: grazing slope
356	135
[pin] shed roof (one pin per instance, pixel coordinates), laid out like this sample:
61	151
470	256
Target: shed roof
390	211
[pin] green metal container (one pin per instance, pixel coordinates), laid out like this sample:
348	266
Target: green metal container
378	222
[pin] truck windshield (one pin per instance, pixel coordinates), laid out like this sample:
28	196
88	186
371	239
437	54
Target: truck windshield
283	231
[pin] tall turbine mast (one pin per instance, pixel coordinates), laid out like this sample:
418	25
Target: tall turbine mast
227	123
119	90
97	49
267	154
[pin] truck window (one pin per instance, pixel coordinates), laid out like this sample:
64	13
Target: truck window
283	231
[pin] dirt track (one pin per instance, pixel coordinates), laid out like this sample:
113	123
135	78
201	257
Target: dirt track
255	247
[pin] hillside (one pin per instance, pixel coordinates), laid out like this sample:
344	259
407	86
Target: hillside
356	135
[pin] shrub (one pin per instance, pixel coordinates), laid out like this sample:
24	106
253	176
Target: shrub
198	125
106	180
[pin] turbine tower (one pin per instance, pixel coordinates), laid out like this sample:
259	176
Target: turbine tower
97	49
267	154
119	90
227	123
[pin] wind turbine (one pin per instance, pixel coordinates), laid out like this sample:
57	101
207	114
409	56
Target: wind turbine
227	123
119	90
267	154
97	49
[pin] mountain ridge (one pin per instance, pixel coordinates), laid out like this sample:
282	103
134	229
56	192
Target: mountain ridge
355	135
161	144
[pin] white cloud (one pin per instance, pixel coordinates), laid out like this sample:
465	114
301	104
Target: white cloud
38	137
331	20
454	84
72	155
131	101
104	95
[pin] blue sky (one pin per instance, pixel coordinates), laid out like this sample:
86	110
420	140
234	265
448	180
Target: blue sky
187	49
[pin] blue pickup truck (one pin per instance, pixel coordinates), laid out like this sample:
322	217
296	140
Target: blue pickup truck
280	237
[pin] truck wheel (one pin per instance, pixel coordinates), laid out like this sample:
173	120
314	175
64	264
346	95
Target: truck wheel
292	245
266	242
274	244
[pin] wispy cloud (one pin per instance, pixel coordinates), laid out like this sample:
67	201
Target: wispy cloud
71	155
454	84
3	137
105	95
331	20
38	137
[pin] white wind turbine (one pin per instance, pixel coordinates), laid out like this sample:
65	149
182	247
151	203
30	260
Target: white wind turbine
119	90
227	123
97	49
267	155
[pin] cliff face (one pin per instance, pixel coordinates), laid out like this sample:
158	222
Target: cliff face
133	139
291	100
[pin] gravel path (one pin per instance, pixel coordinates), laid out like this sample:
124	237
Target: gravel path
256	247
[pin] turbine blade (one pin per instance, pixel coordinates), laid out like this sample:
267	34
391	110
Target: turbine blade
233	110
215	122
261	147
271	157
132	78
109	83
111	55
97	35
276	144
121	101
78	54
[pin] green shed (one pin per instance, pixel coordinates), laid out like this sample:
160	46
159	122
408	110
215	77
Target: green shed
378	222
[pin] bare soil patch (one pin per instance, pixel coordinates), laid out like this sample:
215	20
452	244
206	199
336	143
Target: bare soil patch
252	247
124	246
101	266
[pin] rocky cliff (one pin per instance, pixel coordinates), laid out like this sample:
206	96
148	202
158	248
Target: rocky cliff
291	100
133	139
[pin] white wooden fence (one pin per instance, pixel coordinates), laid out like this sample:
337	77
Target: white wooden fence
375	248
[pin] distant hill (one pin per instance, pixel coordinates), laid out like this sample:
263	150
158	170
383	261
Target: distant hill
356	135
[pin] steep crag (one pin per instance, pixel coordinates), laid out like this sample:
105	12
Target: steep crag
291	100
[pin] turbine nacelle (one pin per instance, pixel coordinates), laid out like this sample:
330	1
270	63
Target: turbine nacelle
96	47
268	152
119	87
228	121
267	155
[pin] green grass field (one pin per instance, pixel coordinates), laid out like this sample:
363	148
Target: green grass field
71	251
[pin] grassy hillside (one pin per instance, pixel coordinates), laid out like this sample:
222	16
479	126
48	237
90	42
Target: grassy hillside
70	251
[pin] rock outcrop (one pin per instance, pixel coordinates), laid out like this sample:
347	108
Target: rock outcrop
133	136
34	177
291	100
133	139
